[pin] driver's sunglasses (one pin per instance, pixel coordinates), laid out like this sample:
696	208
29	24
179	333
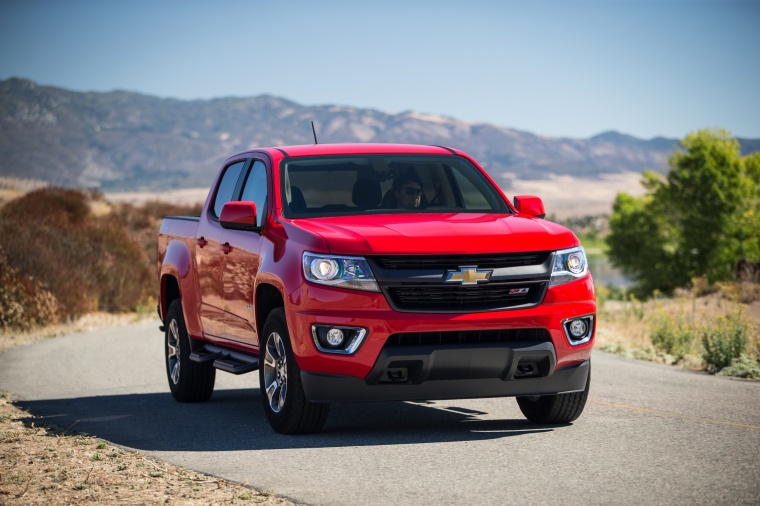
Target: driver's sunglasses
412	192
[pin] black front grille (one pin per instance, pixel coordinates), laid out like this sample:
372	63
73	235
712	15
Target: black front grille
490	261
506	281
459	337
485	297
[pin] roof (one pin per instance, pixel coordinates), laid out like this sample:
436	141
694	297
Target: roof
358	149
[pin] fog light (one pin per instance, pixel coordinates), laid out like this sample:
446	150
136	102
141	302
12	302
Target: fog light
338	339
335	337
578	328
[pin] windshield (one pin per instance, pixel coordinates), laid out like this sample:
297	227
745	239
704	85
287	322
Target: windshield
350	185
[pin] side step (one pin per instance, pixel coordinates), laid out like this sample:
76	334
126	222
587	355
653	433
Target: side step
204	355
225	360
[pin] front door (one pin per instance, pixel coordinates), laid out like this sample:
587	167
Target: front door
208	253
243	261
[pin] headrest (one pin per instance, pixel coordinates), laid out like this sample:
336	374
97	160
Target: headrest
366	193
297	202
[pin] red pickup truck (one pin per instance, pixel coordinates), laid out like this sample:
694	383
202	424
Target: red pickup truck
374	272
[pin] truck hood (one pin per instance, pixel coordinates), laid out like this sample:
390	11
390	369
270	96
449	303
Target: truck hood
435	234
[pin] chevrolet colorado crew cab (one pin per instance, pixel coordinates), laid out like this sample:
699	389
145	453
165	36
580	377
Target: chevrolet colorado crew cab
357	272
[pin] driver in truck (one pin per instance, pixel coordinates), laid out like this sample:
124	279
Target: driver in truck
408	190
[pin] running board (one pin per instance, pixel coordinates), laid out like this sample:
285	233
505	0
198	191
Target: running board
225	360
204	355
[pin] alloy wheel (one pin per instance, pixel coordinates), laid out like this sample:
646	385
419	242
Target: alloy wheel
172	351
275	372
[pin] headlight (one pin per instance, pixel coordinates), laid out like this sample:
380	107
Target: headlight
569	265
345	272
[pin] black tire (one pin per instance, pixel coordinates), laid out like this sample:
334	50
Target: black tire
551	409
188	381
282	395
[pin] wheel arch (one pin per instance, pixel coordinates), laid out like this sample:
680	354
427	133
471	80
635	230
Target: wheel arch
175	265
170	290
268	298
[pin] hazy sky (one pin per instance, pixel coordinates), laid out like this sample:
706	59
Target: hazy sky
558	68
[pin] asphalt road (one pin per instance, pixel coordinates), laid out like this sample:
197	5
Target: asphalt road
650	434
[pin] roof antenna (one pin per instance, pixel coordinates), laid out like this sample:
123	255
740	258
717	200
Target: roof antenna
314	132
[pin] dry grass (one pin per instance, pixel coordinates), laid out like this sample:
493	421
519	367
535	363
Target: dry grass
89	255
8	195
44	465
87	263
624	327
183	197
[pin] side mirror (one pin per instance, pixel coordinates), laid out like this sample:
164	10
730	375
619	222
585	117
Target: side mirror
530	205
239	216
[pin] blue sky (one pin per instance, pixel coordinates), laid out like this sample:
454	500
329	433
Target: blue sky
557	68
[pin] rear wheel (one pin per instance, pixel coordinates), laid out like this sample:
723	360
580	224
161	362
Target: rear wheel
561	408
282	394
188	381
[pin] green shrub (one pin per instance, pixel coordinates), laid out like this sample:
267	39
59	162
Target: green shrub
617	292
636	308
742	367
673	335
725	341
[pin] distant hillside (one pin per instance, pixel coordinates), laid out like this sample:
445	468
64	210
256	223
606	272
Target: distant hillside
127	141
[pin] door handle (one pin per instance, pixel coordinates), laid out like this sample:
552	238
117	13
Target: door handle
201	241
226	248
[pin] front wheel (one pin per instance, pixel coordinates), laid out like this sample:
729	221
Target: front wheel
560	408
188	381
282	394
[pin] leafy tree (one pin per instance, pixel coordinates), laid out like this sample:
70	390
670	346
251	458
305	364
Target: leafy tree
750	219
694	221
640	243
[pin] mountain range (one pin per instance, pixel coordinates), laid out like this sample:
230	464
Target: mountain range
128	141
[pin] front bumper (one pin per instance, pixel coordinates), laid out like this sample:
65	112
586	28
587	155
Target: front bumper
320	387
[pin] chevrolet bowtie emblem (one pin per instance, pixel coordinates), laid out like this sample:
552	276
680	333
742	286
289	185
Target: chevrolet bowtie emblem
469	275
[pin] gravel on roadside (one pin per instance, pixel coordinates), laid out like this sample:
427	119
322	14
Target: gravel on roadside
46	465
